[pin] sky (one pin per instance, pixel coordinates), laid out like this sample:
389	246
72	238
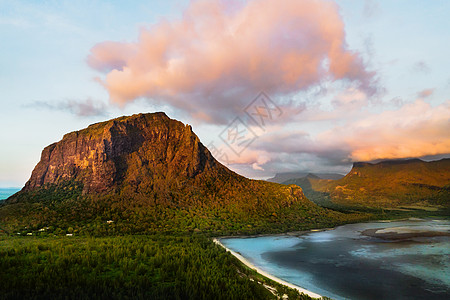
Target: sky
268	85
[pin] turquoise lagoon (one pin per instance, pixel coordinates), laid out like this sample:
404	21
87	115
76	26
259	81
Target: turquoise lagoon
402	260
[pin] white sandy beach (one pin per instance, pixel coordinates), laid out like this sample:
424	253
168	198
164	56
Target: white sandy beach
281	281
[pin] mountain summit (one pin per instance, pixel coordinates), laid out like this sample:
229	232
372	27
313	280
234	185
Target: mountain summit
136	150
148	172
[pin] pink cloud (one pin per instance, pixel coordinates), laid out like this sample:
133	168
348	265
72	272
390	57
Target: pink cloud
425	93
108	56
416	129
253	158
350	100
214	60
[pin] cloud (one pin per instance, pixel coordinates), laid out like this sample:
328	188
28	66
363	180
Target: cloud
371	8
397	101
350	99
84	108
421	67
300	142
251	157
425	93
214	60
416	129
108	56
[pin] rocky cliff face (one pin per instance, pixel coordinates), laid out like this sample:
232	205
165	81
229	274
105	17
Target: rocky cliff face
106	154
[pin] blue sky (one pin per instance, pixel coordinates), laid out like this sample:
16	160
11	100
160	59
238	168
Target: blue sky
48	88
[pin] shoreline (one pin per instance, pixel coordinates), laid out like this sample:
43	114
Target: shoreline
265	274
292	233
289	233
299	233
307	231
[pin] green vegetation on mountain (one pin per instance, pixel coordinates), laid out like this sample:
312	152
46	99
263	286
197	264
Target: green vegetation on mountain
409	184
241	211
313	187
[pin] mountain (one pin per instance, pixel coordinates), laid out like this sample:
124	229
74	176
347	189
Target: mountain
147	173
282	177
137	152
385	184
313	186
302	180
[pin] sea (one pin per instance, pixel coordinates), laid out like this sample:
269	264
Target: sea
6	192
346	263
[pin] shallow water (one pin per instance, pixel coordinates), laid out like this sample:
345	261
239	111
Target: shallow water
345	264
6	192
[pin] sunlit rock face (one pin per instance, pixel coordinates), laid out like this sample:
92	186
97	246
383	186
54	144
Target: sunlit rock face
148	154
105	154
393	183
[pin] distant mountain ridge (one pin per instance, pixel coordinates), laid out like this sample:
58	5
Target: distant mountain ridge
389	162
282	177
388	183
148	172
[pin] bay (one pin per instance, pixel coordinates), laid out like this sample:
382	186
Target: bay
378	260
